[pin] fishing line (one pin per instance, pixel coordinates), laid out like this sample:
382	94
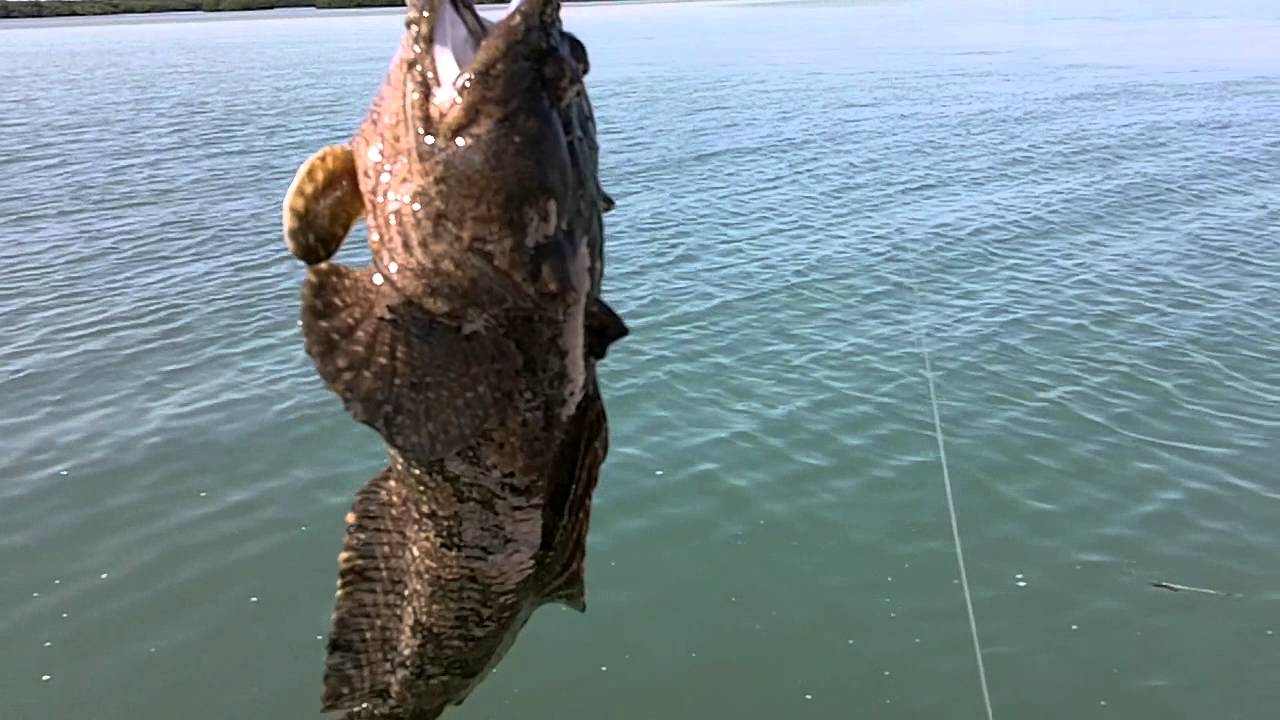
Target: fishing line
951	503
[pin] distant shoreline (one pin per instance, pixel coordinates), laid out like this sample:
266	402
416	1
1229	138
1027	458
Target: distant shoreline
31	9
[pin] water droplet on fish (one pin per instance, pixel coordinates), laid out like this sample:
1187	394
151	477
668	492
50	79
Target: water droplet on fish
377	278
430	139
416	206
375	153
384	177
392	267
459	141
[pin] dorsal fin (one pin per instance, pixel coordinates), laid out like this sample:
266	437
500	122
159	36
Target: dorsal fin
567	514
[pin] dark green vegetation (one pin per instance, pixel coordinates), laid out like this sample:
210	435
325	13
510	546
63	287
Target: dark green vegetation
61	8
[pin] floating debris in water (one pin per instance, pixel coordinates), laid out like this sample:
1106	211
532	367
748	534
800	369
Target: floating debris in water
35	594
253	599
304	528
57	582
65	615
103	576
657	472
603	668
1021	583
319	637
63	472
1103	703
886	673
1075	627
807	696
890	578
46	678
204	494
48	643
152	650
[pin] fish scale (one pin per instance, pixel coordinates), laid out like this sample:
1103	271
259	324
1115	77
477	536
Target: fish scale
469	344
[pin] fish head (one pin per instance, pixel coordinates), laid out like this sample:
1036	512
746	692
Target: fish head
488	108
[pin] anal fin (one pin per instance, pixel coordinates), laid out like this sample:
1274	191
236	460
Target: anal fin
422	382
321	204
378	589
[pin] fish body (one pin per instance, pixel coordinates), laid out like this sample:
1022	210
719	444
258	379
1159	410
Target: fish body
469	344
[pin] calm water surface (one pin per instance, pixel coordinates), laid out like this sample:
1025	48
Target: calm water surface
1076	208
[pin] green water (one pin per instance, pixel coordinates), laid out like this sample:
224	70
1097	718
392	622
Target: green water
1075	209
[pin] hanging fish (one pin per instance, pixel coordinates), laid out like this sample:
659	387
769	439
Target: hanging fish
469	343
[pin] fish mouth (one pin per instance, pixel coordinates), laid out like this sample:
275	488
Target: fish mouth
462	42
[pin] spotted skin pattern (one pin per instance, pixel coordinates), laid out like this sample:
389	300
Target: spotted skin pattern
469	343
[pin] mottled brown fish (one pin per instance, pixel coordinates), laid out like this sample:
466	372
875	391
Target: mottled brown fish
469	344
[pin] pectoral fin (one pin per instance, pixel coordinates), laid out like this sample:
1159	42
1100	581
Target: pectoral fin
427	386
604	327
322	204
